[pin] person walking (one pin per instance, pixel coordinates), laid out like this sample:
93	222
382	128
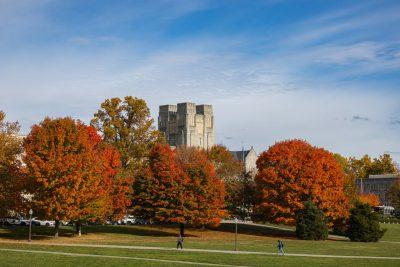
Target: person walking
280	247
179	242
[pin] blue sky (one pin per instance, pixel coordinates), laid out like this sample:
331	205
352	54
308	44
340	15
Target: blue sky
324	71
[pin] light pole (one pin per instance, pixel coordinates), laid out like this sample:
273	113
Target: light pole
236	221
30	225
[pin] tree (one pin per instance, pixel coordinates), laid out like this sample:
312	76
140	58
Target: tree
292	172
370	199
10	152
240	195
127	126
71	172
360	167
205	191
350	188
226	167
383	165
364	224
161	189
394	194
310	223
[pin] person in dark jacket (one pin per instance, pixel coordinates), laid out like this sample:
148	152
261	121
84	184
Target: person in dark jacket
280	247
179	243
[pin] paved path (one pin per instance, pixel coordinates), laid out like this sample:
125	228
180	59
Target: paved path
208	251
118	257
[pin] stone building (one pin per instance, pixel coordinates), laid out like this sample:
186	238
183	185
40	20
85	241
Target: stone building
249	157
378	185
187	124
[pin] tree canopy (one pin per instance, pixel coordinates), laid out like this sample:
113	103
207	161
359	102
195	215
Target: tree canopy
72	174
127	125
10	153
310	223
292	172
364	224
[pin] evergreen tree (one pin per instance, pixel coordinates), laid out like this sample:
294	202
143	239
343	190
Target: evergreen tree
310	223
364	224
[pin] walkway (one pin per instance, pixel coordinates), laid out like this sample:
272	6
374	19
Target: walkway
205	250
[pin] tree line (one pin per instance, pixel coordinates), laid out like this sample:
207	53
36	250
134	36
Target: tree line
118	164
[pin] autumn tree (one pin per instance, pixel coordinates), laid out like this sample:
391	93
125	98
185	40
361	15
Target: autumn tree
127	125
71	172
226	167
370	199
10	152
383	165
161	189
240	195
178	187
292	172
350	188
205	191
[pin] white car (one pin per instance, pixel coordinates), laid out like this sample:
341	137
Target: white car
44	222
128	220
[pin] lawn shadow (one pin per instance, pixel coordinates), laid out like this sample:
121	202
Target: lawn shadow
258	230
38	233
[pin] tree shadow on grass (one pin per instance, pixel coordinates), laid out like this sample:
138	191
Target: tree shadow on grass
38	233
258	230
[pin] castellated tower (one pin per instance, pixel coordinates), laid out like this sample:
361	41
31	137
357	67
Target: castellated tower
187	124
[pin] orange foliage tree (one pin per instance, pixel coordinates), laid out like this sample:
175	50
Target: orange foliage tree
160	194
179	188
72	173
292	172
370	199
205	191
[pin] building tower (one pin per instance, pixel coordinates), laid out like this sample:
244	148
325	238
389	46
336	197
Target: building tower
187	124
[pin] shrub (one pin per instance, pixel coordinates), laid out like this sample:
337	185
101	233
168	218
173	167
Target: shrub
364	224
310	223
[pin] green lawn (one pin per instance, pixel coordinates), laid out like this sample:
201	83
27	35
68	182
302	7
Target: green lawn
250	238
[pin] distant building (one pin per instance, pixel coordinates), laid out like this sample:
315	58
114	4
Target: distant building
249	157
378	185
187	124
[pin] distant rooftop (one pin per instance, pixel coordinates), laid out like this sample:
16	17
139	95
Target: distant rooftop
384	176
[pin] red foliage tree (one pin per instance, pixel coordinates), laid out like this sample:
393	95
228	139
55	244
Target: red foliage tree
206	192
292	172
179	188
160	190
71	172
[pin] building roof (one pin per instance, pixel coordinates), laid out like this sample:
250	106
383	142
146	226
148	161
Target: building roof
379	176
240	155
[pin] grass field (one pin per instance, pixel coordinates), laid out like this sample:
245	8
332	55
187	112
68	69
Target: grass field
250	238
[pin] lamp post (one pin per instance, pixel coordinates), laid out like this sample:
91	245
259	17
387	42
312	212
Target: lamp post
236	221
30	225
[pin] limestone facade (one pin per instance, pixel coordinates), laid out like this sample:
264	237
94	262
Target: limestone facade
187	124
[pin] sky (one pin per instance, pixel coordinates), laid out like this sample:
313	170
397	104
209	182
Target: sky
324	71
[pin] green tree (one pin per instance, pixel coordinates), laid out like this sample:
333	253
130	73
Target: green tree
10	153
310	223
383	165
350	188
364	224
128	126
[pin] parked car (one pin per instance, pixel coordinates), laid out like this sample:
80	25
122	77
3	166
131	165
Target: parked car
129	220
43	222
25	222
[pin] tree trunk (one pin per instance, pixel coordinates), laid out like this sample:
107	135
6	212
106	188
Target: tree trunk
57	228
79	228
182	229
